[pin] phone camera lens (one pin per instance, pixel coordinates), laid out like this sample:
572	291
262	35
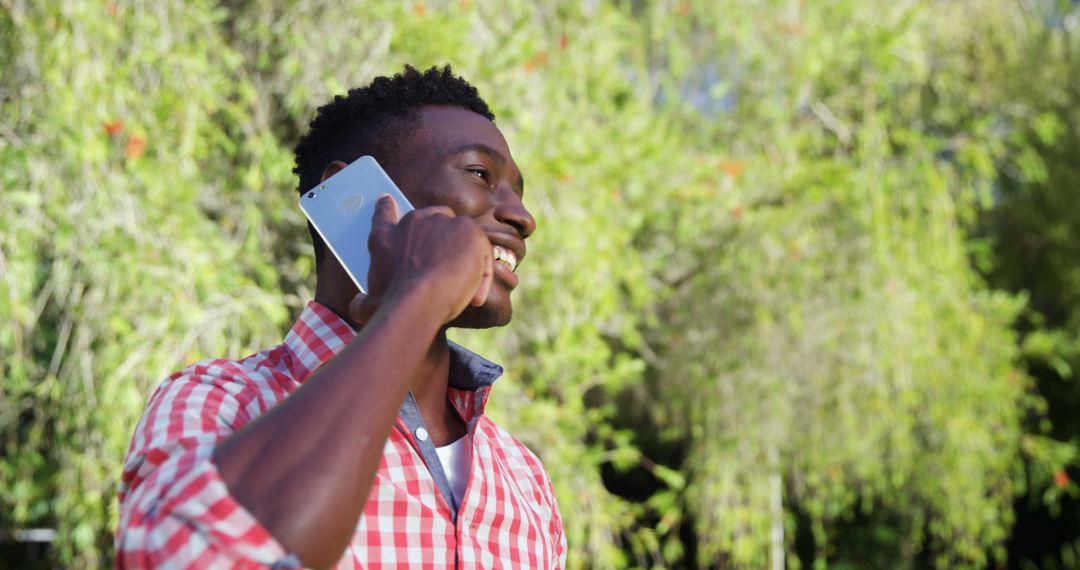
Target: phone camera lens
310	194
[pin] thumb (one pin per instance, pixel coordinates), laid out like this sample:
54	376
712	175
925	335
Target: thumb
361	308
480	296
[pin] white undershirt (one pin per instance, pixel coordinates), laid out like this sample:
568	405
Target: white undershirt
455	459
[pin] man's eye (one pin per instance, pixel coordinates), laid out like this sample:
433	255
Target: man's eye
480	172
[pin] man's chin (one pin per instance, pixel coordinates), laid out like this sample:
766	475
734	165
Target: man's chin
486	316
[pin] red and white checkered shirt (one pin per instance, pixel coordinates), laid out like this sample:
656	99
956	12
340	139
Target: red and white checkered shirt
176	511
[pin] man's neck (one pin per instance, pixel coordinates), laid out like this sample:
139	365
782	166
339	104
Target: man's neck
429	389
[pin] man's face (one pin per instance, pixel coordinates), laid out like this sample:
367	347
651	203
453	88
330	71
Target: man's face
460	159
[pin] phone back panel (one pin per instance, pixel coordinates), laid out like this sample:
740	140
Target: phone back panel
341	208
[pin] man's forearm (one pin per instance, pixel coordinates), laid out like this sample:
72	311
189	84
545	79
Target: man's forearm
304	469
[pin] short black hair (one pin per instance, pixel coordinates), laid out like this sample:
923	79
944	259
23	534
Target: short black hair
375	120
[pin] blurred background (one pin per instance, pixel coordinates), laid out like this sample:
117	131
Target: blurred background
805	292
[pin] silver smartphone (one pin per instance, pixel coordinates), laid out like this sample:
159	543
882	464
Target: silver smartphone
341	208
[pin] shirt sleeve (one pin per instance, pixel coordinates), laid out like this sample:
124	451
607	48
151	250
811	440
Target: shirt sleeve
175	509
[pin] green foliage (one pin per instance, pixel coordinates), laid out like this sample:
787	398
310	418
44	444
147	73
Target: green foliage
753	282
114	270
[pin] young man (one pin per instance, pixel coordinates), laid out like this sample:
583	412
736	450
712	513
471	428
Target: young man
361	441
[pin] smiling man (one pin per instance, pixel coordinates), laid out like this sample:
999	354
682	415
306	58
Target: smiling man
361	440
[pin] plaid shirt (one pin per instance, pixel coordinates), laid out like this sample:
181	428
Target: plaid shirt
176	512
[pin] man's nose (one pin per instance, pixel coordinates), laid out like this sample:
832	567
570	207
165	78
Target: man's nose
512	211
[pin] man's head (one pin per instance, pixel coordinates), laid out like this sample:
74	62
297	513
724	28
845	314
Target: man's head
434	136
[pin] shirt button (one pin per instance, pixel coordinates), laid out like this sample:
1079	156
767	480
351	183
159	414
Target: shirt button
421	434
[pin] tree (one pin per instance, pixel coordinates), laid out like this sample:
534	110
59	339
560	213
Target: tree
749	320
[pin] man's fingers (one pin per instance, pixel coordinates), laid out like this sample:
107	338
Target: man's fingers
412	216
433	211
386	212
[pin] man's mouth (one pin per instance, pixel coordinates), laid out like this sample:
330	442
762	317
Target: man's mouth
505	256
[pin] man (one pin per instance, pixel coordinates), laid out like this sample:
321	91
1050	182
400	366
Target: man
361	441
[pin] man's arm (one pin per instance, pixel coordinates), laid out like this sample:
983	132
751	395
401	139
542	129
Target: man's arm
304	469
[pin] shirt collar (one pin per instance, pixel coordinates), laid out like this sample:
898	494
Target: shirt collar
319	334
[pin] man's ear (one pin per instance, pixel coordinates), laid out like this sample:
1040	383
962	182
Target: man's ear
332	169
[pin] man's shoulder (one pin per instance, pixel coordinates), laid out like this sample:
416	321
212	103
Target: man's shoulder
522	460
253	365
201	403
263	375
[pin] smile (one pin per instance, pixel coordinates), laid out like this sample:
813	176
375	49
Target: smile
505	256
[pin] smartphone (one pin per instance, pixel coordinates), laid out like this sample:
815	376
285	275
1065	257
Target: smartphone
341	207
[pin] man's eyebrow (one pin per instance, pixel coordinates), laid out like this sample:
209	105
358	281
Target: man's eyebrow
481	148
493	154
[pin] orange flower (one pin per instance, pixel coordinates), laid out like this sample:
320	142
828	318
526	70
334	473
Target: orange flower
113	127
737	212
419	8
539	60
1061	479
464	4
563	41
684	8
791	30
730	167
136	145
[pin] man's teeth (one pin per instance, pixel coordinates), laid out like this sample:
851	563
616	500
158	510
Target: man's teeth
504	255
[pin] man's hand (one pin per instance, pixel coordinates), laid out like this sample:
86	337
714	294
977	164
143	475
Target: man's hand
448	256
